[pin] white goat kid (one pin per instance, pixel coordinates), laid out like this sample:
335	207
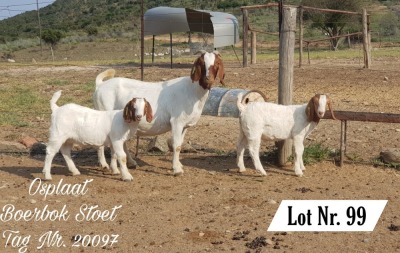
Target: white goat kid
74	124
262	120
177	103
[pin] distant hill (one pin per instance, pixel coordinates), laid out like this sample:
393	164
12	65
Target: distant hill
72	16
76	17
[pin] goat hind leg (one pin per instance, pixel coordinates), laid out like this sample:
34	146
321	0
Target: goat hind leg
254	150
51	151
240	148
66	152
102	158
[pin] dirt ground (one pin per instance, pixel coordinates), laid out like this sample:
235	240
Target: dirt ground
211	207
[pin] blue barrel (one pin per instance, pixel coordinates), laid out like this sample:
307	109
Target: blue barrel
221	102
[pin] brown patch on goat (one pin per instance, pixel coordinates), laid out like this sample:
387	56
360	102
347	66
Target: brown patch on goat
148	111
198	72
129	111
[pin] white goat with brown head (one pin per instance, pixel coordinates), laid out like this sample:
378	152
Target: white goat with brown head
74	124
177	103
263	120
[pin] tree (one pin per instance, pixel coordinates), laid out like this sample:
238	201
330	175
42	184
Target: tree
333	23
52	37
389	24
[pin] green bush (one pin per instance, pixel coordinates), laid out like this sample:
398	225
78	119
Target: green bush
52	37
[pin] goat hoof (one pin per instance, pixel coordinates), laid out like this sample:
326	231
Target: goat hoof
127	179
133	166
177	174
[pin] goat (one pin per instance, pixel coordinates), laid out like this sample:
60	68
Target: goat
262	120
74	124
177	103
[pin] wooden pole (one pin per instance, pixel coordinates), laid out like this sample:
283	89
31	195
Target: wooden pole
348	40
253	47
141	41
286	63
152	50
141	59
40	27
343	132
366	40
170	44
245	35
301	33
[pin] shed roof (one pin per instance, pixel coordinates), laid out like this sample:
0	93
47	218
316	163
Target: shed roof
165	20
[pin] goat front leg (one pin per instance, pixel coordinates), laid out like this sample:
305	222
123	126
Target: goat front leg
178	133
121	156
131	162
113	163
298	160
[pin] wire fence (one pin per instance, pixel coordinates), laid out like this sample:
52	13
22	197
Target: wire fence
265	21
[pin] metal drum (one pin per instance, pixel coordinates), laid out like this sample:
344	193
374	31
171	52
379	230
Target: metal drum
222	101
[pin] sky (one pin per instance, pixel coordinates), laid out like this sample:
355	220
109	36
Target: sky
9	8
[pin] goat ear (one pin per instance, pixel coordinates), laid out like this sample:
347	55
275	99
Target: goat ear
329	102
129	111
195	74
221	71
126	112
310	110
148	111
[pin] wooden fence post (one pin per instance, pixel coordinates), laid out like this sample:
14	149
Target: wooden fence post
245	35
366	39
301	32
253	47
286	62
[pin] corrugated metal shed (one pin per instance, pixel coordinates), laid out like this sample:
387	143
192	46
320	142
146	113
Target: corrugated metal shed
168	20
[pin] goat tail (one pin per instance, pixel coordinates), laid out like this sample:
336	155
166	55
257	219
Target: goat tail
54	99
240	104
109	73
